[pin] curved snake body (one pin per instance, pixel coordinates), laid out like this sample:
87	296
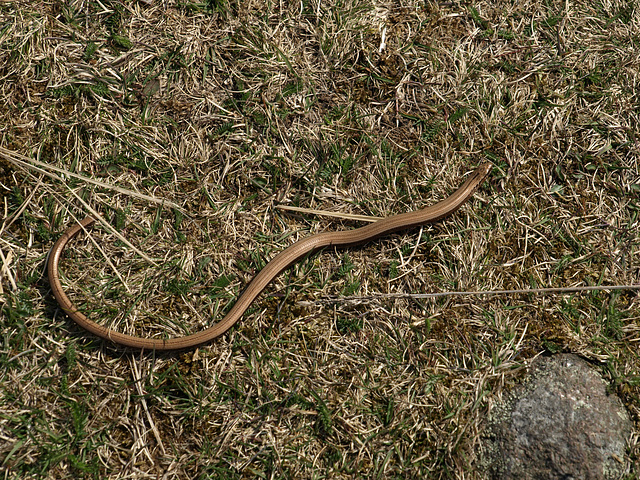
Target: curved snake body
279	263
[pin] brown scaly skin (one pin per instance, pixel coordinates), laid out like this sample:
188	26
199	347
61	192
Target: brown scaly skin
279	263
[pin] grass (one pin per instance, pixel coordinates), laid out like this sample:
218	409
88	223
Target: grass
186	124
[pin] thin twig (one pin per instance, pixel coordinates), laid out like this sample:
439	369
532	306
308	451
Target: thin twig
33	164
417	296
326	213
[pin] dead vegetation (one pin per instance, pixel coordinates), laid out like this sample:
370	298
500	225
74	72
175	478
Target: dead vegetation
185	125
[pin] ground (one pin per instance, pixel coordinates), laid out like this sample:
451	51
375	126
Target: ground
192	127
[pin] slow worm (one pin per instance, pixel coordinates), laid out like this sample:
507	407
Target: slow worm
280	262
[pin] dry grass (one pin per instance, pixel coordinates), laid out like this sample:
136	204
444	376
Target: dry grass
226	110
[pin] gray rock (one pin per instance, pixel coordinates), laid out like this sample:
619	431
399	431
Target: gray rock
560	424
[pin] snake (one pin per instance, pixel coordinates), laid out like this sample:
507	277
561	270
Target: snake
273	268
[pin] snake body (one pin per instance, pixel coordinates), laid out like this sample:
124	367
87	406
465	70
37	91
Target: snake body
279	263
